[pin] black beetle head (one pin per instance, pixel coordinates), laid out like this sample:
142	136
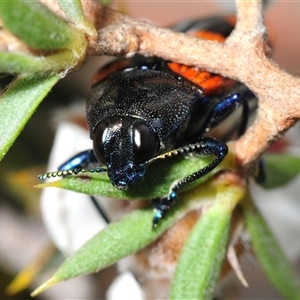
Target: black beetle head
124	144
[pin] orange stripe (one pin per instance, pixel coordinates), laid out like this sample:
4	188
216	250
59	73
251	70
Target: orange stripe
211	83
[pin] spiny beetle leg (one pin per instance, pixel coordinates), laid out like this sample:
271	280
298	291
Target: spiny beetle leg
205	147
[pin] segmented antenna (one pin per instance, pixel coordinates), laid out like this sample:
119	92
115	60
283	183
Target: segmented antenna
181	150
70	172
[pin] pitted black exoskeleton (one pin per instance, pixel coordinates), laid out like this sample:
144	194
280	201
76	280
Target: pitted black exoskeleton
140	109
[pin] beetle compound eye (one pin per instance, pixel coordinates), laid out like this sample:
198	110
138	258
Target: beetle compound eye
98	142
145	144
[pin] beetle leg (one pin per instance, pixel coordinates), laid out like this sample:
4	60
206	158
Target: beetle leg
227	106
205	147
100	209
80	160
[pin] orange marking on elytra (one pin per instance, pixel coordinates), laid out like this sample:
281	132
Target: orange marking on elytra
210	82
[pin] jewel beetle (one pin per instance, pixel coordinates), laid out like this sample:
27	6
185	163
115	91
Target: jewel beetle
145	108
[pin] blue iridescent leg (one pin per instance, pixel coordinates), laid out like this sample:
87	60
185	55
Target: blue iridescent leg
80	160
227	106
205	147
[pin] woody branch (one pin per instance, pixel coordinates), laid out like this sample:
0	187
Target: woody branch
244	57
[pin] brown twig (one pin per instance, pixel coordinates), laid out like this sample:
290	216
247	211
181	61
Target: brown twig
244	57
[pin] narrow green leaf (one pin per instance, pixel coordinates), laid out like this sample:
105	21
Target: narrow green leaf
73	9
18	103
159	176
270	255
124	237
14	63
35	24
199	265
280	169
17	63
116	241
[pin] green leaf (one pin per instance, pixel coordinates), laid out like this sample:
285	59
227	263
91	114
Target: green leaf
270	255
118	240
17	63
199	265
159	176
135	231
21	63
36	25
73	10
280	169
18	103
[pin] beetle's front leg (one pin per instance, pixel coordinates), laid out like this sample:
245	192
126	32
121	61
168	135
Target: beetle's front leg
205	147
80	160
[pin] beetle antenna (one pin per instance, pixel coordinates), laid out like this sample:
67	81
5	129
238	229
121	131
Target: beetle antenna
190	148
63	173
